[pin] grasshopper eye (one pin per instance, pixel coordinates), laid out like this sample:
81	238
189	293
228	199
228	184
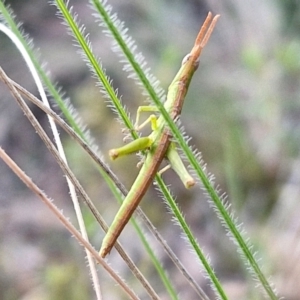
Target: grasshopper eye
187	57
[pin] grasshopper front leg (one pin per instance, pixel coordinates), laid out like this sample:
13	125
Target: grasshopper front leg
152	118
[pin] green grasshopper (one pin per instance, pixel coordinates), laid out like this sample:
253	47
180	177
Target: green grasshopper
158	143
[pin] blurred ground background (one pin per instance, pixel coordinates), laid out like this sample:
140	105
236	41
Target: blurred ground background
242	111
